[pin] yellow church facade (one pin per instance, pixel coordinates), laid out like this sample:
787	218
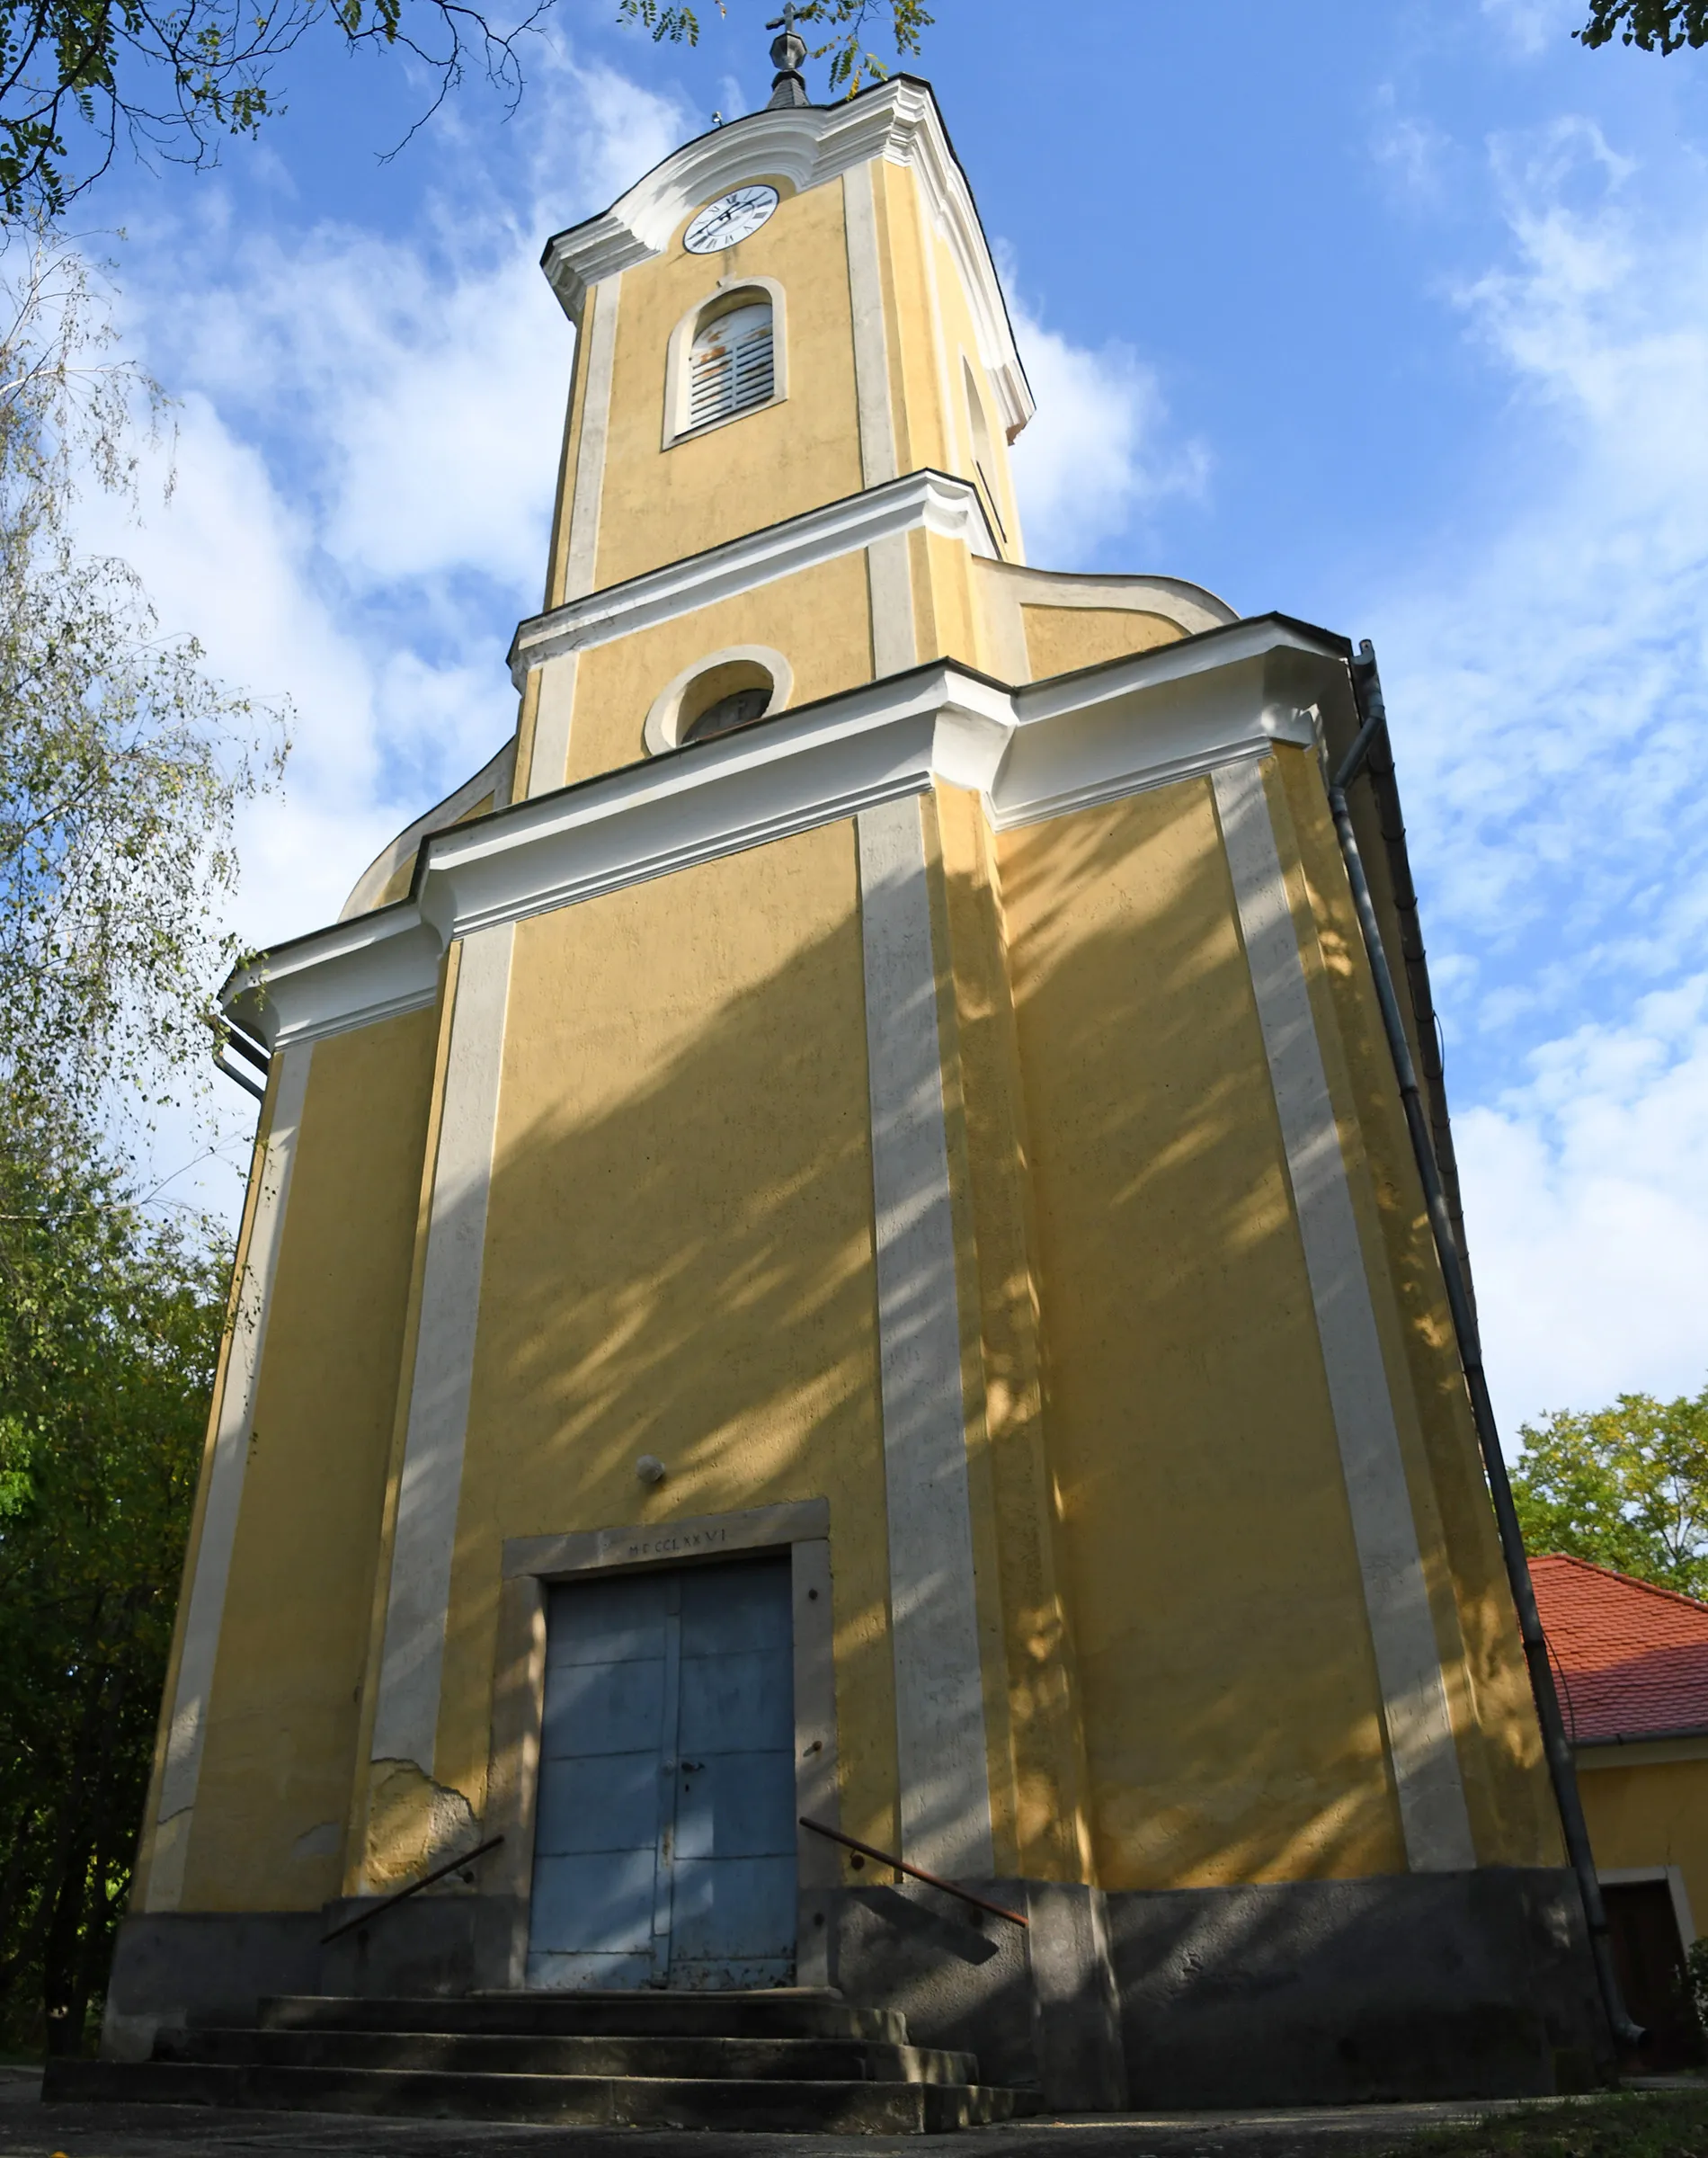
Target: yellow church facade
877	1091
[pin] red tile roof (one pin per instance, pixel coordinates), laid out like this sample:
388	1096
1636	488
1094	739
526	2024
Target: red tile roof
1631	1660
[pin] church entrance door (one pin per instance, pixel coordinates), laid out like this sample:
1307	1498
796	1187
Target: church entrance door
664	1820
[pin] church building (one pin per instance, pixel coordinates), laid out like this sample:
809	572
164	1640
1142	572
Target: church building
834	1275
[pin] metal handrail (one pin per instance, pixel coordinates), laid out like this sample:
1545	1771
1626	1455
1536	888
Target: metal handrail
931	1880
414	1888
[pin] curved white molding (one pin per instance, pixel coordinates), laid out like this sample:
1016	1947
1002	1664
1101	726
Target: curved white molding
805	146
493	778
1032	753
1193	606
931	500
663	730
676	427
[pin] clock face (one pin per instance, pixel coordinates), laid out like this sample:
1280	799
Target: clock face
730	219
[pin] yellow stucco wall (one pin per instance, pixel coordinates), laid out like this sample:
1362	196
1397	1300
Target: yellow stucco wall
679	1253
1060	638
659	505
276	1773
820	620
947	619
1650	1813
1230	1699
929	326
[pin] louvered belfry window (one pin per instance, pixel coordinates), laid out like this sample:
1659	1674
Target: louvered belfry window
730	366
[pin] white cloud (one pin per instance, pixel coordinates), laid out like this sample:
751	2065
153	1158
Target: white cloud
624	131
1097	456
1552	705
364	466
1529	28
230	563
366	457
1589	1227
1411	149
1552	690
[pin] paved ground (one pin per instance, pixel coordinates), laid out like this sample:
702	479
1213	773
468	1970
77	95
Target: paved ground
29	2129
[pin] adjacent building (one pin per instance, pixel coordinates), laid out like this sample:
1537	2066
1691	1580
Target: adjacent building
1631	1663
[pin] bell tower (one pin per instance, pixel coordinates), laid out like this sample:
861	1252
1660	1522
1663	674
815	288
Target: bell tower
794	371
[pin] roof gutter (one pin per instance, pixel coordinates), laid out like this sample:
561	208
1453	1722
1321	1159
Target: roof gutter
1432	1146
1641	1738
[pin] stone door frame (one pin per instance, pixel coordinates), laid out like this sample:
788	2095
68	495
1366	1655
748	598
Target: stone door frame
533	1565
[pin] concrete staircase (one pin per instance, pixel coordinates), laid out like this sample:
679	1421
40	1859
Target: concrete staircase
792	2060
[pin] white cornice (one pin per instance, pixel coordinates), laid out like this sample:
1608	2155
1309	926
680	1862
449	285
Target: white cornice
933	500
360	971
1030	753
807	145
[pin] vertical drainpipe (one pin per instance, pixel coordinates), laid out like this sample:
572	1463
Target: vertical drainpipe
1562	1773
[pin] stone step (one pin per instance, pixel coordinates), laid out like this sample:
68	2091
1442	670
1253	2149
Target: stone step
780	2012
802	2108
694	2059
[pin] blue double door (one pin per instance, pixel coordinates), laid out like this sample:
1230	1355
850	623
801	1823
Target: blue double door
664	1820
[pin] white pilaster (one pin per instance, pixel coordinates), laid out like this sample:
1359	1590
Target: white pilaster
1426	1763
889	580
871	346
187	1733
939	1701
581	567
406	1716
549	762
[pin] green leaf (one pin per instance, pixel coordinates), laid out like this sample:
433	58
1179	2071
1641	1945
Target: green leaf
1626	1486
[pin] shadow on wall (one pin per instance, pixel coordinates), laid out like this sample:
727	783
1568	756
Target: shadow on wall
680	1263
1231	1700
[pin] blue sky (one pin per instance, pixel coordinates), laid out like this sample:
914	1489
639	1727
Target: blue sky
1396	319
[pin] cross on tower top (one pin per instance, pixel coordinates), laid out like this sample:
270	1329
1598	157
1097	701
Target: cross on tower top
788	85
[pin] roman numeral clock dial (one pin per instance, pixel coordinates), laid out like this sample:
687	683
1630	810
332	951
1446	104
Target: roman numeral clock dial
732	218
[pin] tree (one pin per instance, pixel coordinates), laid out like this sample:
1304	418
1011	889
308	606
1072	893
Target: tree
110	1325
174	76
1664	25
122	761
851	58
1626	1486
121	766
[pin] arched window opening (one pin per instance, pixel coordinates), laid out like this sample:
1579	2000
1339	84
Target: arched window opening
983	455
722	697
730	365
734	710
720	692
